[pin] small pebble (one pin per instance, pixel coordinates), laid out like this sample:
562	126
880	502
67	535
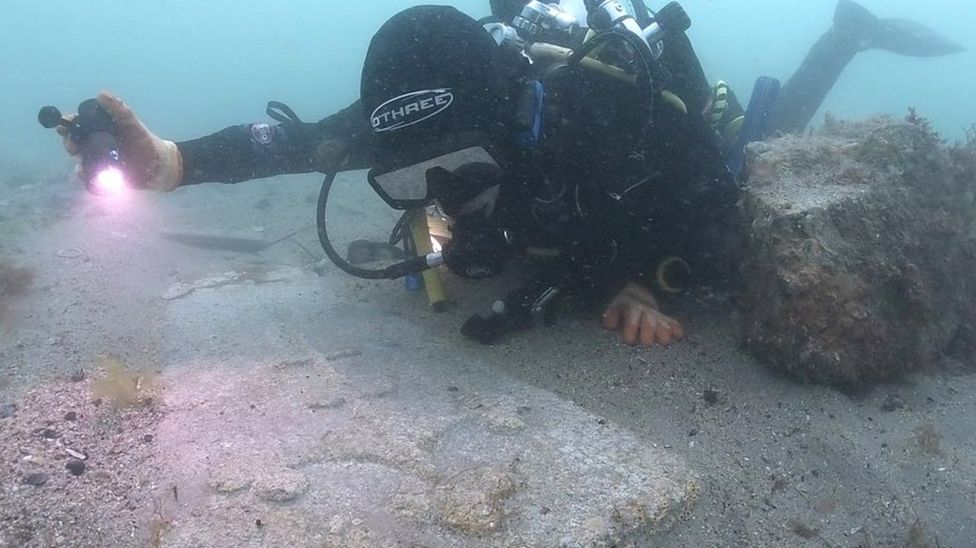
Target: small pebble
710	396
281	486
7	410
76	467
147	438
258	523
71	416
36	480
892	403
69	253
343	354
78	375
49	434
322	267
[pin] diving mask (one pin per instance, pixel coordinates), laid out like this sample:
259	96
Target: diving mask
450	178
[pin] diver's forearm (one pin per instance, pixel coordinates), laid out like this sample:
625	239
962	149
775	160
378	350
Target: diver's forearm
253	151
229	156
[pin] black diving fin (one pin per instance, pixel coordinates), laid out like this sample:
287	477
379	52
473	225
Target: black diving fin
901	36
855	29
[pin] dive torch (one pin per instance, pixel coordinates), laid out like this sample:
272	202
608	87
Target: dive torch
93	129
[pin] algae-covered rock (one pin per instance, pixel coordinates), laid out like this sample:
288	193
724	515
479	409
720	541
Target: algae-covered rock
861	250
474	500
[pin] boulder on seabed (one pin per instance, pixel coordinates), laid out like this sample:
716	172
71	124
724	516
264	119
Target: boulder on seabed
860	260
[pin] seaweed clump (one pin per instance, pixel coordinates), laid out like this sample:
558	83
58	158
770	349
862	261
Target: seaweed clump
123	387
963	156
14	282
928	439
922	123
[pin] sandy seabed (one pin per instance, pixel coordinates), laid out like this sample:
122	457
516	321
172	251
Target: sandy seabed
256	376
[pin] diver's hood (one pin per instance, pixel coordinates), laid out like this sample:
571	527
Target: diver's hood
431	88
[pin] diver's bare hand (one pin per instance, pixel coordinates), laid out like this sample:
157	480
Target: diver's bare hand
635	312
151	162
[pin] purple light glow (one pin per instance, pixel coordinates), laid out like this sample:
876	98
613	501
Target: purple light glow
110	181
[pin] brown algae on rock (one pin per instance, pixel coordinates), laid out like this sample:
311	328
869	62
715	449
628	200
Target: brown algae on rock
121	386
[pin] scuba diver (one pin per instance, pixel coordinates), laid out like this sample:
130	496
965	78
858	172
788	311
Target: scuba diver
600	151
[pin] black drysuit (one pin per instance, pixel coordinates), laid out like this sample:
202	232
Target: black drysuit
647	190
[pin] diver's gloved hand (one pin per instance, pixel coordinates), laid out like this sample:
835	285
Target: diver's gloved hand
635	312
151	163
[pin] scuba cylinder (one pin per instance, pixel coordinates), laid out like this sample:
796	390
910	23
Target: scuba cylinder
543	22
546	34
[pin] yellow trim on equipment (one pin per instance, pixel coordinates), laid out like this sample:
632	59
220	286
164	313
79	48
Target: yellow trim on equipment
675	101
432	277
548	54
600	67
731	132
662	280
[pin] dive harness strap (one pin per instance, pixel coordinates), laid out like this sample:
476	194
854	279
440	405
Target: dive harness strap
281	112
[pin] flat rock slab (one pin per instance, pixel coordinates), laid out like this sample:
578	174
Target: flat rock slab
354	430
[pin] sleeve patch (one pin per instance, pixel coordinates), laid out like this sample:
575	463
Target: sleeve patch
262	134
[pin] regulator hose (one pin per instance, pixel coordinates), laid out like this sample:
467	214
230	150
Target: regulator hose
392	272
653	75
